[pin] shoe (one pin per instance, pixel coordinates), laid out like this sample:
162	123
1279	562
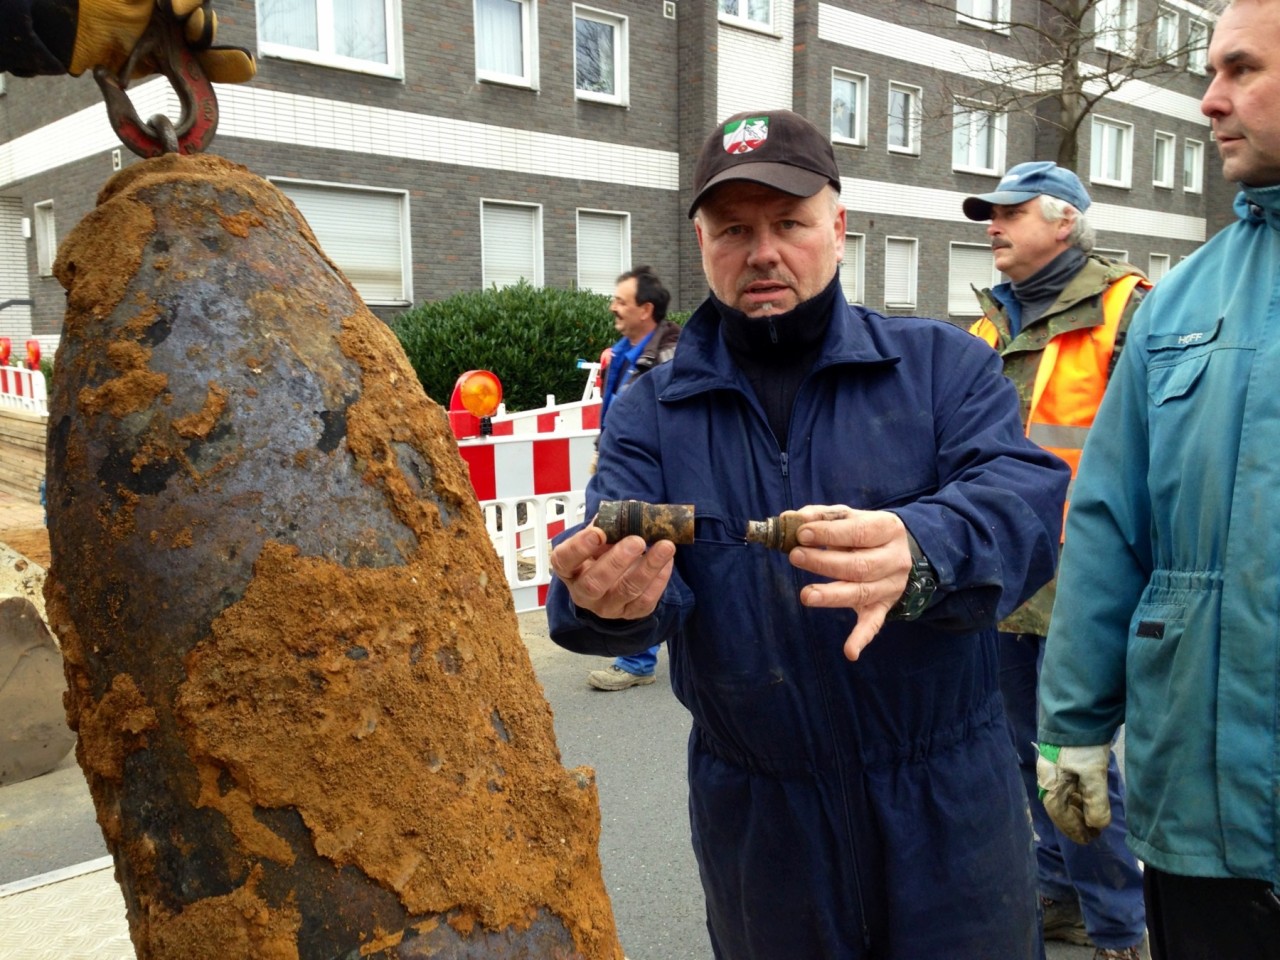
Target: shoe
615	678
1062	921
1119	953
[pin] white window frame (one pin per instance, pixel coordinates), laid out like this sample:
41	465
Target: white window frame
326	55
1197	46
915	102
1164	177
853	267
911	279
860	83
339	236
1098	157
738	14
1166	32
970	306
1120	255
1193	149
985	14
536	250
528	75
997	124
1116	26
1154	275
624	249
621	56
45	231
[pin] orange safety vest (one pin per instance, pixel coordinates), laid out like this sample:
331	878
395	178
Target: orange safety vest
1071	379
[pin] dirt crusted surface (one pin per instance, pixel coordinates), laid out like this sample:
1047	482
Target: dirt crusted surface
305	712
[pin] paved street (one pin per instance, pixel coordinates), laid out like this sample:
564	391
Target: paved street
634	739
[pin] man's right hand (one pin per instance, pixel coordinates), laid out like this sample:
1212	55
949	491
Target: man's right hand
1073	787
104	32
620	581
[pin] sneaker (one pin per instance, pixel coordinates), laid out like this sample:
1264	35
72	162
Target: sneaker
615	678
1119	953
1062	921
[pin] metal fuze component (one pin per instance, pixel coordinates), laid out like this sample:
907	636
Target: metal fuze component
307	719
777	533
650	521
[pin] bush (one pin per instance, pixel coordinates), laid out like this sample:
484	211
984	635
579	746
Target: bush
531	337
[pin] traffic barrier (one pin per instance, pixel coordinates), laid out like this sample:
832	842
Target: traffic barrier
22	389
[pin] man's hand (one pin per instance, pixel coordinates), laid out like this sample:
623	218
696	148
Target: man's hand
106	31
867	556
1073	787
622	581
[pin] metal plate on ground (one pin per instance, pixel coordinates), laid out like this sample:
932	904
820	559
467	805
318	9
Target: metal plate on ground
76	913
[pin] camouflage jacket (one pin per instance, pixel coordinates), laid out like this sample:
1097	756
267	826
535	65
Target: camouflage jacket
1078	306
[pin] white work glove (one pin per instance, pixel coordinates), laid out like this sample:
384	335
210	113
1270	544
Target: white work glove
1073	788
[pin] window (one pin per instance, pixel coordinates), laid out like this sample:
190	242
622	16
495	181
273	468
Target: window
46	237
848	107
1122	256
504	42
604	249
1192	165
749	13
971	266
977	144
365	232
1159	266
851	267
599	56
1197	45
1166	33
904	119
359	35
988	14
1116	26
1162	159
900	273
511	243
1111	156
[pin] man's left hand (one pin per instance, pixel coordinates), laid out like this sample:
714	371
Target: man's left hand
867	556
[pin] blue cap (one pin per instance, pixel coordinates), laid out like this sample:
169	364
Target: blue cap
1026	181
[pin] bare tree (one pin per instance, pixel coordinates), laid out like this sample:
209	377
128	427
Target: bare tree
1063	62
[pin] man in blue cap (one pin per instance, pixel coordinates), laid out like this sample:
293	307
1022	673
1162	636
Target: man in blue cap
1059	322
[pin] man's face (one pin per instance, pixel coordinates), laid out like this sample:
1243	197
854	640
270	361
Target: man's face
765	251
1242	99
1023	241
632	320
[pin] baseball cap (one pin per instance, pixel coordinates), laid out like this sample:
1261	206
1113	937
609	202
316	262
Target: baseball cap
1026	181
777	148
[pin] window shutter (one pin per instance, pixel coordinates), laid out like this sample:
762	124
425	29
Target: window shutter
970	264
602	250
362	232
510	245
900	272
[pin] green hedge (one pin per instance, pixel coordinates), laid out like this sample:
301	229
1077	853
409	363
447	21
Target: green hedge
531	337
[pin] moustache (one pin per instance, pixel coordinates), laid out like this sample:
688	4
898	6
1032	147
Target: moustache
1001	245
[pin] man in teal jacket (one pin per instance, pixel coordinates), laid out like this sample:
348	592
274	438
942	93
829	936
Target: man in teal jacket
1168	613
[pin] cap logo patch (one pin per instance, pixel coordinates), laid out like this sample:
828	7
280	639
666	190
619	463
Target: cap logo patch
743	136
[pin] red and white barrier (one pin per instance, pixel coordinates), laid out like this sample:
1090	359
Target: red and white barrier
529	473
22	389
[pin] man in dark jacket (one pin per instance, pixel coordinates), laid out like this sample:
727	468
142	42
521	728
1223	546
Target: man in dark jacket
639	307
853	792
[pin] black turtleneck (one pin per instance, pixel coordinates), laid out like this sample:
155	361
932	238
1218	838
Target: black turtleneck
777	352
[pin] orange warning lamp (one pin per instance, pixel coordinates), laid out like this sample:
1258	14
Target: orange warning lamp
33	354
6	348
476	397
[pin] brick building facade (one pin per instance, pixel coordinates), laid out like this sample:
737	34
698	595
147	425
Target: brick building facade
446	146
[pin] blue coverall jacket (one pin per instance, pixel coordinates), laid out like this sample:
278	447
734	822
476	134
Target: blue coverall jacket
840	809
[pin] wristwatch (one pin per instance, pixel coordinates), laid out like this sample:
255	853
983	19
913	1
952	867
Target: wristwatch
921	584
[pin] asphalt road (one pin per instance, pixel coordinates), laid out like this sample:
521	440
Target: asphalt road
635	739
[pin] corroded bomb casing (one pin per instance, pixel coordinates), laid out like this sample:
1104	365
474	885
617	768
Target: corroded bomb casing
777	533
650	521
307	719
